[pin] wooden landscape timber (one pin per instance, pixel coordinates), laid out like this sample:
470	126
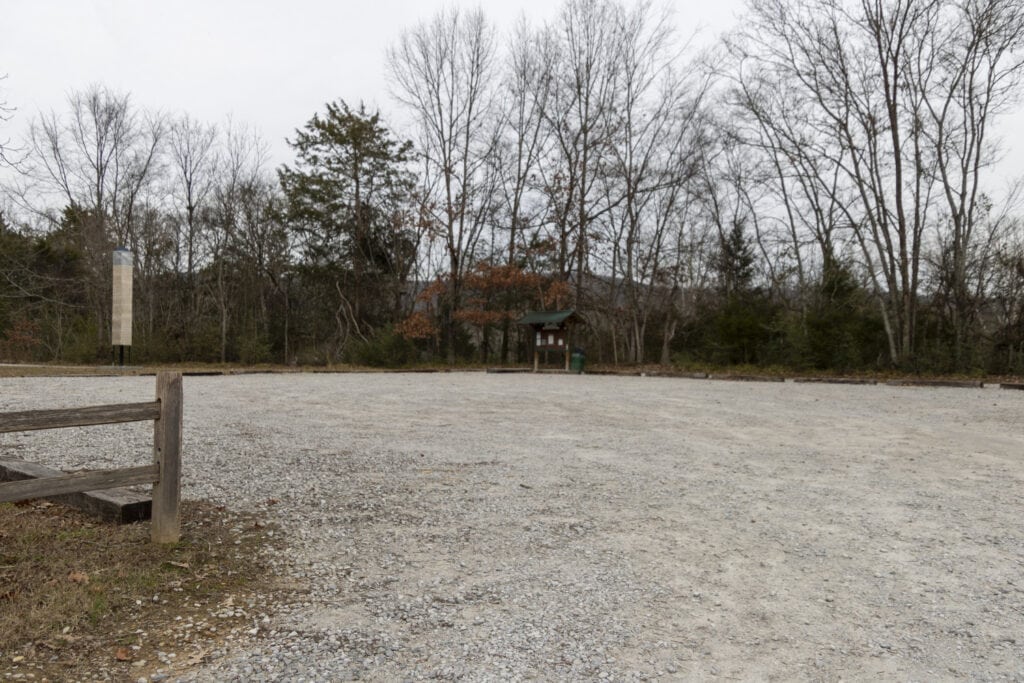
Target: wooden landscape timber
119	505
675	375
747	378
1019	386
164	472
955	383
834	380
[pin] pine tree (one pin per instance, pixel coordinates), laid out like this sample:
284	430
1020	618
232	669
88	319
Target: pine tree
346	194
733	262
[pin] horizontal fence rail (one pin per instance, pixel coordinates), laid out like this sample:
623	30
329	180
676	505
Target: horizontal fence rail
79	481
164	473
30	420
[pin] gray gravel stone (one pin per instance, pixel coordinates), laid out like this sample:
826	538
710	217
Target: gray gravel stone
516	527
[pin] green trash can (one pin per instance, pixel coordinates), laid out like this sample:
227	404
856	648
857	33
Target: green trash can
576	361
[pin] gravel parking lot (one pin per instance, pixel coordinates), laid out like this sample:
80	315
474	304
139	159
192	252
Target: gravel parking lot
511	527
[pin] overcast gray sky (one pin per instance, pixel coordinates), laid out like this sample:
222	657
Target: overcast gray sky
270	64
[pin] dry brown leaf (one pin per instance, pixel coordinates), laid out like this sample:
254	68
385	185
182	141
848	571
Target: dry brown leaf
78	577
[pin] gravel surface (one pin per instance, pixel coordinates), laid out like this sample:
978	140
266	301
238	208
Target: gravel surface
513	527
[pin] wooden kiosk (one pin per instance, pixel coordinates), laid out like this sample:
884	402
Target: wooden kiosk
550	332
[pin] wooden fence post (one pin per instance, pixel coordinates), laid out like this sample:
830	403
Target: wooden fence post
166	521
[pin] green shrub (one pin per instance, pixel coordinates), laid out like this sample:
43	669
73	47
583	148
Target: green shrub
386	349
254	349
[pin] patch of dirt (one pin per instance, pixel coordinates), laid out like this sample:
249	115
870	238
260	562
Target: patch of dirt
80	596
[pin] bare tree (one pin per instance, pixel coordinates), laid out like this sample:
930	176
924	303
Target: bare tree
444	71
896	98
585	83
772	122
521	140
97	162
688	271
192	149
1007	296
652	156
522	137
244	158
979	47
5	115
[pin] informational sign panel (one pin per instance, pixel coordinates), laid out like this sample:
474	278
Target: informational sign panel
121	311
551	339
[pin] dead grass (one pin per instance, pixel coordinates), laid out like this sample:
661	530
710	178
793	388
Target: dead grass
55	370
80	596
770	372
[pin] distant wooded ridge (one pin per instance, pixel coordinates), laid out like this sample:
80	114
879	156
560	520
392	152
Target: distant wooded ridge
815	191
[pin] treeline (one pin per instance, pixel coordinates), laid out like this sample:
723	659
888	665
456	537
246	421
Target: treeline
817	191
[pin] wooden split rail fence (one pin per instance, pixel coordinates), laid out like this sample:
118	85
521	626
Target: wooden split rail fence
164	473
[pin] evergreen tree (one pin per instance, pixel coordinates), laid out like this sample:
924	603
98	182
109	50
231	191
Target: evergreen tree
347	196
739	329
733	262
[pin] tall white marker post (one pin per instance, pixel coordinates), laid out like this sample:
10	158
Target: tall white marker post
121	308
